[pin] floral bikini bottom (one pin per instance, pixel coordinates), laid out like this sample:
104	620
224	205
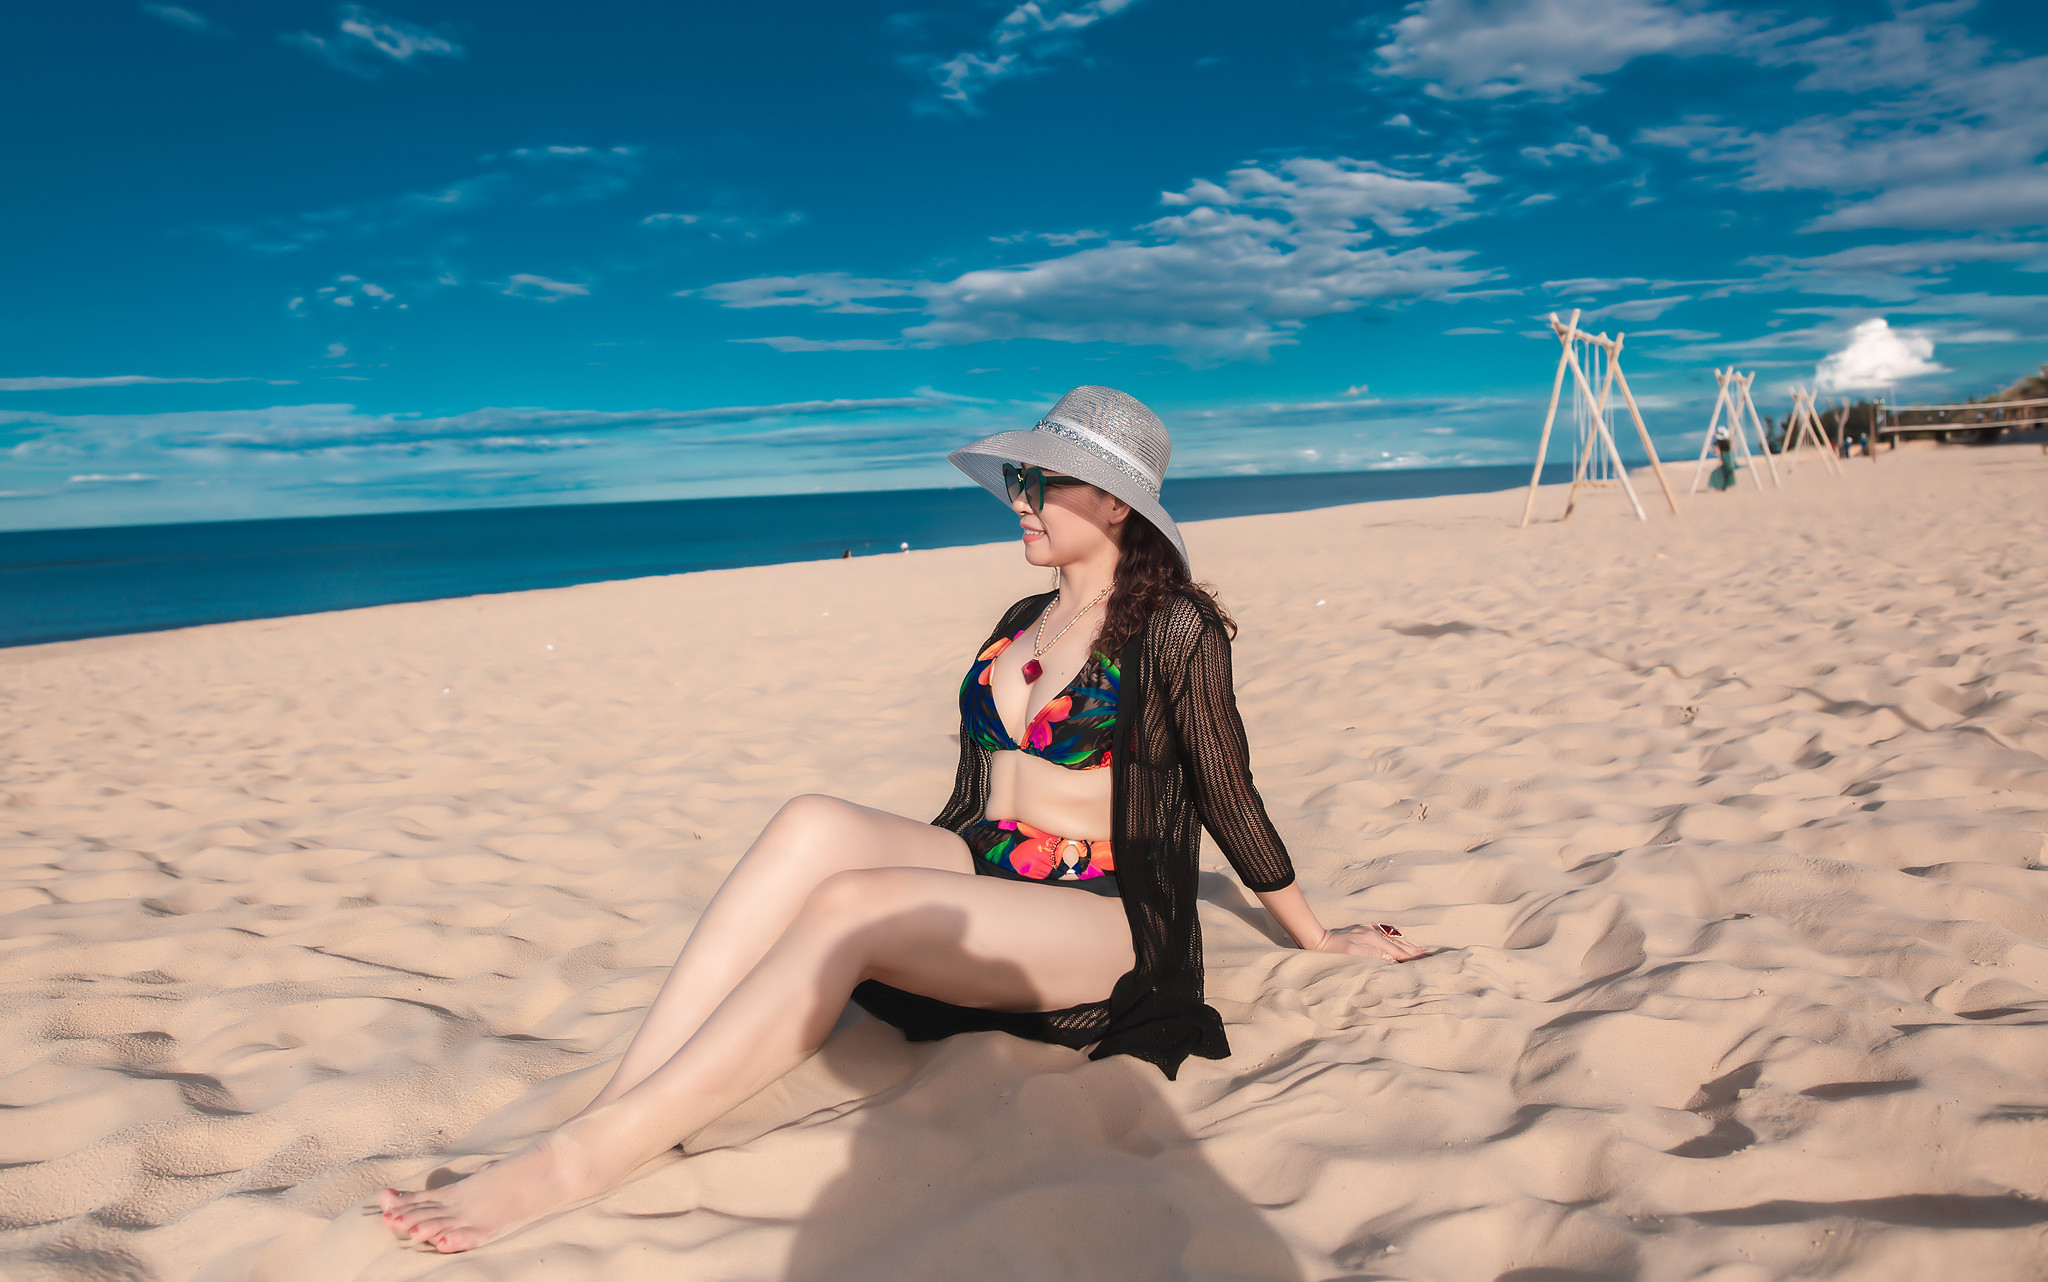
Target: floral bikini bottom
1014	849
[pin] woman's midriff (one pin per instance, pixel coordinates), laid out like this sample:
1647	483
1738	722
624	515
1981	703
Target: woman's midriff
1049	797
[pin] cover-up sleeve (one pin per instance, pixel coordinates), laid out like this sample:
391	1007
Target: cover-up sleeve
1212	736
970	787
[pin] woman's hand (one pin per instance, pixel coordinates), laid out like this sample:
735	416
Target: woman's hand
1299	921
1384	942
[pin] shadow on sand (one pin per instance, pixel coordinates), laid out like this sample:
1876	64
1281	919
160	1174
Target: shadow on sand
1005	1159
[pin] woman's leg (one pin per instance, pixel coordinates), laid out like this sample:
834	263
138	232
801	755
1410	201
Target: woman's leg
808	840
973	941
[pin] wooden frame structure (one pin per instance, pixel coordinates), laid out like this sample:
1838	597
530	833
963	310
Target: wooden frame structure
1599	437
1742	417
1805	426
1979	418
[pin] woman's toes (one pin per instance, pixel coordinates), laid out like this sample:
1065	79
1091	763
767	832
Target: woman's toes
410	1218
457	1239
429	1227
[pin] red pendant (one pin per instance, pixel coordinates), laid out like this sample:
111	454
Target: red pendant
1032	671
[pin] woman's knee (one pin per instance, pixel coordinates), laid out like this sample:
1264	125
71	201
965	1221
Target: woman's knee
812	809
805	823
850	896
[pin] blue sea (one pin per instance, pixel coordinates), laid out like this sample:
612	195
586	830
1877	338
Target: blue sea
58	585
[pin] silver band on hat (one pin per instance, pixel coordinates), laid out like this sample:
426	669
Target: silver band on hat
1116	458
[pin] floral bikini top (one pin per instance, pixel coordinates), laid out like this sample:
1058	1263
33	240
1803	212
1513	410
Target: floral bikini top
1073	729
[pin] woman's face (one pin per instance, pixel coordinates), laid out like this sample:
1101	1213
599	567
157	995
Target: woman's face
1079	522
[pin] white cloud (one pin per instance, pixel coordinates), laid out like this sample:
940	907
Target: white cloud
1583	144
1238	272
1594	284
315	459
825	291
791	343
527	285
178	17
1877	355
335	351
2016	199
1339	194
319	428
541	176
1547	48
1639	309
1896	272
722	226
1946	133
1057	239
48	384
106	478
364	41
1031	38
350	291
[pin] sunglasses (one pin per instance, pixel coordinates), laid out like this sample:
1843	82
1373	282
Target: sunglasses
1031	483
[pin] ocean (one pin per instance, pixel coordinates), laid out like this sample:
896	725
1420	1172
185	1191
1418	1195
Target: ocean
60	585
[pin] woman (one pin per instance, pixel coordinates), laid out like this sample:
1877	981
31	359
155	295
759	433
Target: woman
984	918
1723	477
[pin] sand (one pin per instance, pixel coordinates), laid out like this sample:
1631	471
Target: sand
1729	828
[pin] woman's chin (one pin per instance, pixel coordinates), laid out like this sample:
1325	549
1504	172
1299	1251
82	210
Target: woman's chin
1037	553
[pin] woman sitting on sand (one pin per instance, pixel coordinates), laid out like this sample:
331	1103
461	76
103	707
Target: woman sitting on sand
1053	898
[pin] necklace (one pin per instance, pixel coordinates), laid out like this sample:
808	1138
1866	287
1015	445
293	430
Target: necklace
1033	669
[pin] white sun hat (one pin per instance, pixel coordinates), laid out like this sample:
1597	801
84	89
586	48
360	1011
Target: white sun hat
1095	434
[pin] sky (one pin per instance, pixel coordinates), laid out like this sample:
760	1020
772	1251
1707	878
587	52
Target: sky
292	258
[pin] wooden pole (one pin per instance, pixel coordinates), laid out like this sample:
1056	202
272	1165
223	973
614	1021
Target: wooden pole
1649	446
1741	432
1763	437
1549	416
1808	427
1763	440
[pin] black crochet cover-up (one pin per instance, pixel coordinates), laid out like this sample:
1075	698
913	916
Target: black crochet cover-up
1180	764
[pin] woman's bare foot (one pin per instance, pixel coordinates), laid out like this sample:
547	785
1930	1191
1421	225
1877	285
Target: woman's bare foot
545	1176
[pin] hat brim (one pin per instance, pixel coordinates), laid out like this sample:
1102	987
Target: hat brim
983	461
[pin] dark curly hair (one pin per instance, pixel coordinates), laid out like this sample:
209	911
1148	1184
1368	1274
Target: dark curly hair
1149	573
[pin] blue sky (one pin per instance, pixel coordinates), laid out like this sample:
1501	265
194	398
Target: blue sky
297	258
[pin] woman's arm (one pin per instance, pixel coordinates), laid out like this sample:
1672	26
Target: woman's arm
1212	734
1290	908
1212	739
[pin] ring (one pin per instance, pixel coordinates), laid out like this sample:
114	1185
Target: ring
1385	929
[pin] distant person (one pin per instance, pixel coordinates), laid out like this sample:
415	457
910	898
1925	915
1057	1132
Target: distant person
1723	476
1054	896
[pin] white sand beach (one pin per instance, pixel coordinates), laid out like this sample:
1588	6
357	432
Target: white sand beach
1729	829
